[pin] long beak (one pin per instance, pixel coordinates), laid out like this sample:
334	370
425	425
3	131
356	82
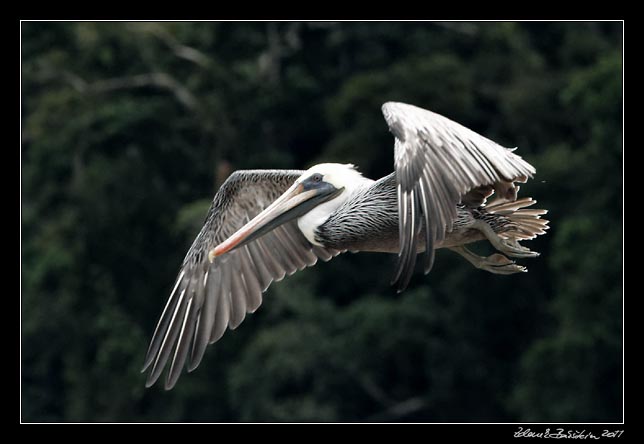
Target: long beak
295	202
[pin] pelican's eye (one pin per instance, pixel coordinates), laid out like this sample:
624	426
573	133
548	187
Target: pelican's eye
316	178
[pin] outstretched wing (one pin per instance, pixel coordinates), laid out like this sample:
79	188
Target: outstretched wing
440	163
208	297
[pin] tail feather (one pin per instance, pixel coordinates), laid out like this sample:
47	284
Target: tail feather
522	223
499	206
530	213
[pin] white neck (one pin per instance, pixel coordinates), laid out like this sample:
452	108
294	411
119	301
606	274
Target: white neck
309	222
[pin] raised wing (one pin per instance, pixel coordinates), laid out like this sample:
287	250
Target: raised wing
208	297
440	163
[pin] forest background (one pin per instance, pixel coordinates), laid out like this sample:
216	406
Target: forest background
128	129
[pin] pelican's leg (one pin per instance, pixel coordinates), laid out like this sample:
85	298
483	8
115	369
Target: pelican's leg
496	263
510	247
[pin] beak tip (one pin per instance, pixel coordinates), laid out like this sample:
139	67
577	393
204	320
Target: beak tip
212	255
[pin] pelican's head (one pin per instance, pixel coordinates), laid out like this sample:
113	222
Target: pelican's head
311	199
339	175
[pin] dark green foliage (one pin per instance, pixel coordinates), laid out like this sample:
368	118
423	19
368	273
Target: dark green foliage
129	128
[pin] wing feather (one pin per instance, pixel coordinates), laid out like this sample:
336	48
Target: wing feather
437	162
253	287
222	312
237	295
205	318
263	275
206	298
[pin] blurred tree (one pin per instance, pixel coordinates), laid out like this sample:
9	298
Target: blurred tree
577	363
129	128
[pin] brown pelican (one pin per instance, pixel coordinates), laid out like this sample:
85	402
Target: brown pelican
266	224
